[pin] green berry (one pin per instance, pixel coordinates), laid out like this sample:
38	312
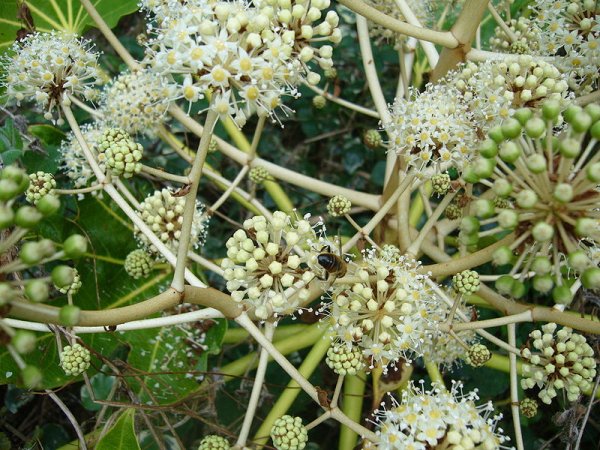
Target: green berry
74	287
484	208
543	283
488	148
509	152
75	359
288	433
590	278
502	256
586	227
542	232
551	110
581	122
523	115
541	265
478	355
483	167
372	139
569	148
562	295
526	199
504	284
63	276
508	219
593	109
535	128
138	264
7	293
344	360
69	315
518	289
214	442
502	187
75	246
27	217
32	377
563	192
37	291
48	205
511	128
31	253
470	224
496	134
23	341
330	73
338	206
593	172
46	247
536	163
15	174
8	190
578	260
595	130
571	111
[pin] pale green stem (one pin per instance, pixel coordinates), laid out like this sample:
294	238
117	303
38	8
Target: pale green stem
509	33
205	263
165	175
240	176
514	388
292	390
260	126
443	38
428	48
16	235
189	208
128	195
256	388
524	316
434	372
589	98
352	403
342	102
85	190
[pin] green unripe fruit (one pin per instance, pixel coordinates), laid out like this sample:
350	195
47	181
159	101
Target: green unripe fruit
69	315
551	110
31	253
581	122
46	247
586	227
508	219
48	205
541	265
32	377
536	163
590	278
37	291
469	224
578	260
571	111
8	190
488	148
504	284
563	192
469	175
562	295
569	148
502	187
496	134
595	130
23	341
319	101
27	217
63	276
535	128
502	256
543	283
484	208
593	172
75	246
509	152
518	289
526	199
542	232
468	239
7	293
13	173
7	217
523	115
511	128
483	167
593	109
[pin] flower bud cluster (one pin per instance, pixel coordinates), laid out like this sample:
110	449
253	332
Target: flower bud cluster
527	37
120	153
138	264
344	359
439	417
338	205
421	9
136	102
546	192
74	359
387	313
259	174
247	55
372	139
441	184
214	442
478	355
560	359
288	433
432	130
466	282
267	267
74	162
45	68
40	185
163	213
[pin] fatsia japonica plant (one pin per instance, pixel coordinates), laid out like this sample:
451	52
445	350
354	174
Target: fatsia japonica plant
300	224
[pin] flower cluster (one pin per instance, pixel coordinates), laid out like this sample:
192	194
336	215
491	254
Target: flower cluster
74	162
47	67
163	213
214	442
432	130
570	30
546	192
136	102
387	313
288	433
344	359
40	185
266	267
138	264
120	153
526	37
74	359
338	205
425	419
565	361
247	56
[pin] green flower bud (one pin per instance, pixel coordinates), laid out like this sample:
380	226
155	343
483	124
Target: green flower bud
484	168
562	295
526	199
581	122
541	265
595	130
37	291
551	110
593	172
40	185
542	232
484	208
590	278
75	246
511	128
8	190
15	174
586	227
496	134
502	256
508	219
23	341
32	377
543	283
469	175
27	217
319	101
488	148
563	192
48	205
47	247
7	217
509	152
470	224
578	260
536	163
523	115
63	276
453	211
518	289
569	148
441	183
593	109
571	111
502	187
330	73
31	253
259	175
69	315
535	128
504	284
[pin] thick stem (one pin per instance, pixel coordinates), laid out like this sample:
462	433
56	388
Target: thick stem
352	404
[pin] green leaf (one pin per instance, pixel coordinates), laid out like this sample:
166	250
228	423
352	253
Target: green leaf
64	15
47	134
10	156
101	385
11	136
122	435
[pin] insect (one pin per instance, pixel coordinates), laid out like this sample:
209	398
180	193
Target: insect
334	265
